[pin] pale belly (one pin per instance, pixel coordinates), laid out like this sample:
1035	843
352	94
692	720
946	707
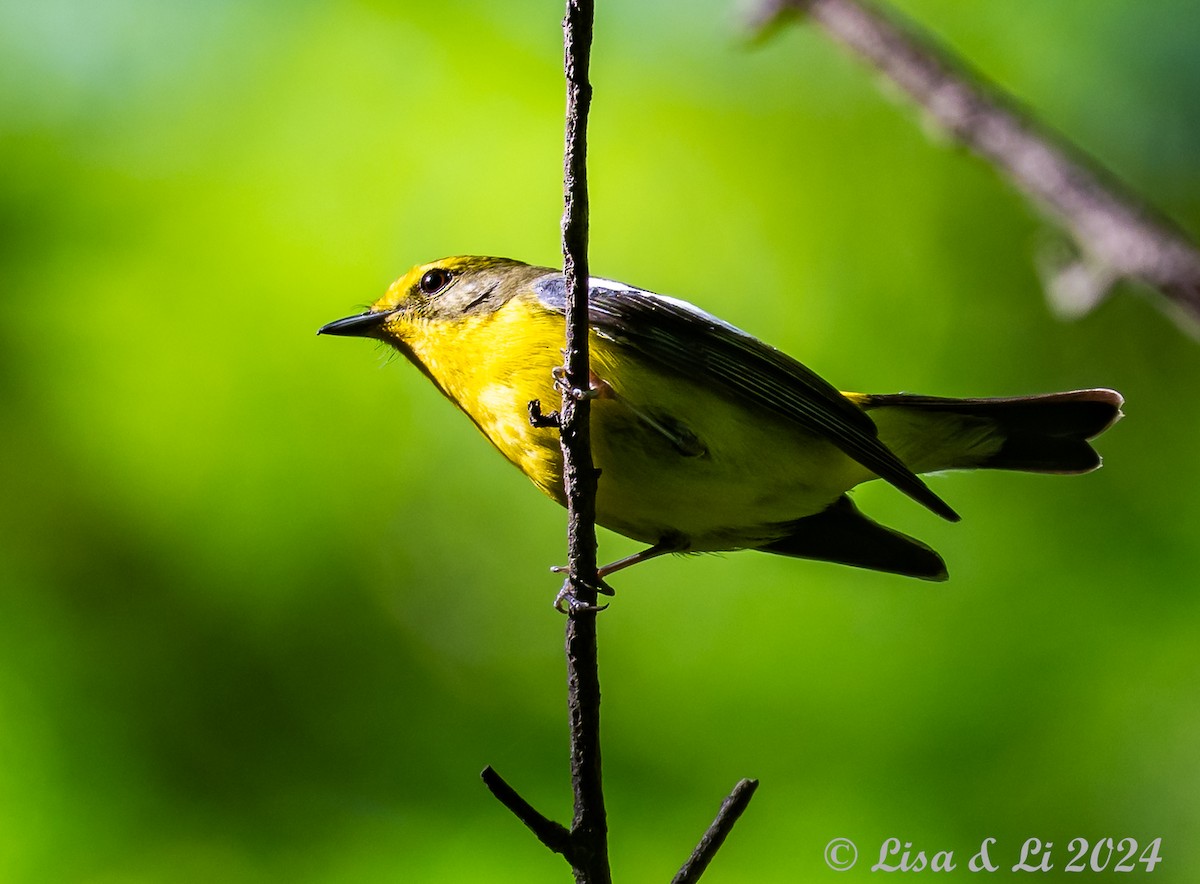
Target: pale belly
735	482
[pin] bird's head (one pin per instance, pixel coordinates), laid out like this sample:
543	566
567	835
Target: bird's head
441	291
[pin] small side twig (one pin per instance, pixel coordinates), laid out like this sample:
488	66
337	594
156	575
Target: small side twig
731	809
1117	234
550	833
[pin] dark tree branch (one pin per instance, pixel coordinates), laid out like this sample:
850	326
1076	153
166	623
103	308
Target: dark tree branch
1117	234
550	833
585	844
710	843
589	826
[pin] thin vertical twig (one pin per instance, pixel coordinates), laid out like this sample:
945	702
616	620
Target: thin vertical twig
589	826
585	844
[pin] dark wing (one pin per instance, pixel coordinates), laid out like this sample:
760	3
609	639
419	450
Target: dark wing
685	340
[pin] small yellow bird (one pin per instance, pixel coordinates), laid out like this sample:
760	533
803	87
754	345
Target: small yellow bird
706	438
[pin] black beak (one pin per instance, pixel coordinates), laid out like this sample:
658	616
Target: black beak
365	325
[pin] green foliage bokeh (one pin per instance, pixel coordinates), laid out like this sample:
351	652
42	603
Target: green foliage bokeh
268	604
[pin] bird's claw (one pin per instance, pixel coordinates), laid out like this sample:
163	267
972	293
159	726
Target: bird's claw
567	603
560	384
540	419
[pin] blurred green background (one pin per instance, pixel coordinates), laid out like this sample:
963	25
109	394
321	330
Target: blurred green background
268	604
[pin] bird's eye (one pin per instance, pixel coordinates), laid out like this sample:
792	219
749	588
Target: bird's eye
435	280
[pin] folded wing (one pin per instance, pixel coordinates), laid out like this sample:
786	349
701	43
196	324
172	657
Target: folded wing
685	340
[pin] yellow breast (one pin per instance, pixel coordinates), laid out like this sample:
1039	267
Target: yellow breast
492	366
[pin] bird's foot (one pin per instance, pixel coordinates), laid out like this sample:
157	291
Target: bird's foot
566	602
598	389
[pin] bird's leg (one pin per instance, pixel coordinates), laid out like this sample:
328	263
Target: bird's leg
601	587
664	546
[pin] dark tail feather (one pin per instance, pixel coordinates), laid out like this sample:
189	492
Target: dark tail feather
1041	434
844	535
